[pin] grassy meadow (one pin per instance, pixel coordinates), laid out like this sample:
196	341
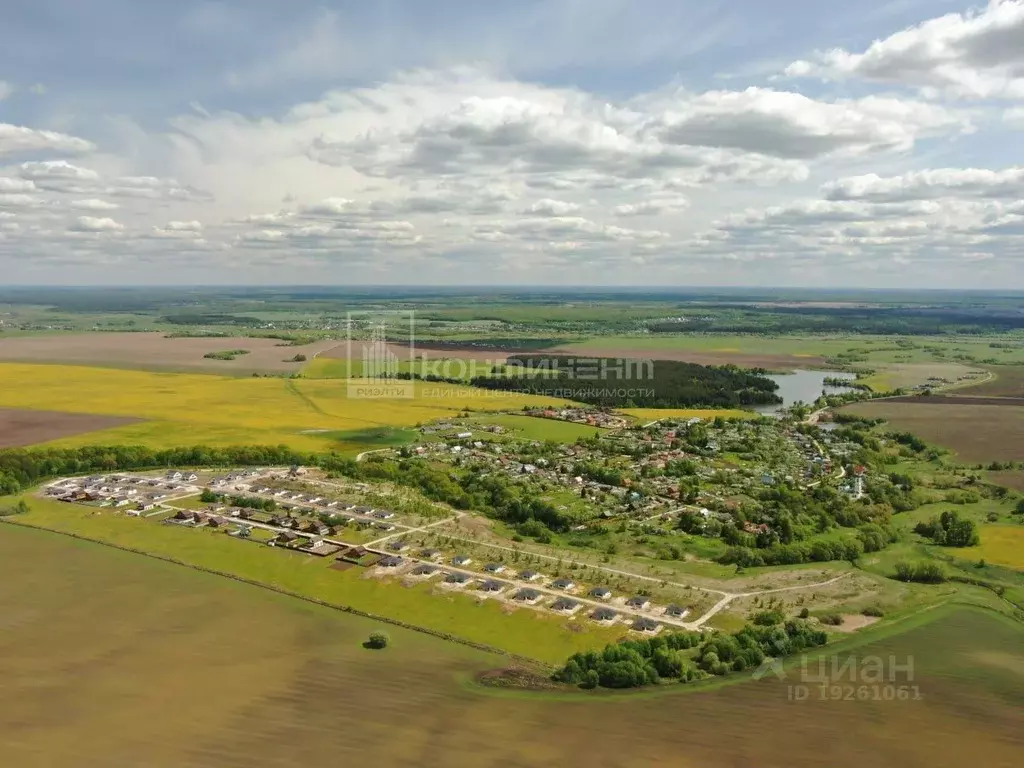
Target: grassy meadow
121	660
186	409
549	639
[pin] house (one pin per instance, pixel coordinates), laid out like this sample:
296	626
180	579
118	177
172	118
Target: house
639	602
456	578
189	477
529	575
383	514
676	611
173	474
601	593
491	585
565	605
286	538
564	584
391	561
646	625
398	546
133	512
461	560
424	570
604	614
321	548
494	567
430	553
527	595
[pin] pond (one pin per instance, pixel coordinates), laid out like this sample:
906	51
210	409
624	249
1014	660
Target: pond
805	386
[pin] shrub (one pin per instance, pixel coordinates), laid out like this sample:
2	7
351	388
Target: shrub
804	613
832	619
873	610
378	640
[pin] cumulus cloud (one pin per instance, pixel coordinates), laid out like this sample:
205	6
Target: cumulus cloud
93	224
17	139
791	125
929	184
652	207
7	184
976	54
184	226
59	176
549	207
93	204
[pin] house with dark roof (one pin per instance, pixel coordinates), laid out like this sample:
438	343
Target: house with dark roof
456	578
527	595
430	554
424	570
398	546
565	604
529	575
494	567
564	584
492	585
603	614
391	561
639	602
461	560
645	625
676	611
601	593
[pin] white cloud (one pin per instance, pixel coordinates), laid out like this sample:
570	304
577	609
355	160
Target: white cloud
791	125
93	204
549	207
60	176
652	207
16	200
1014	117
7	184
184	226
16	138
929	184
976	54
93	224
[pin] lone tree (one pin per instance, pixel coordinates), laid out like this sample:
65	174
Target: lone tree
378	640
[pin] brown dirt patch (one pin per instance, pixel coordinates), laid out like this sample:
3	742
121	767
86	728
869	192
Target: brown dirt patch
156	351
20	427
403	352
854	621
956	400
1008	478
1008	382
977	433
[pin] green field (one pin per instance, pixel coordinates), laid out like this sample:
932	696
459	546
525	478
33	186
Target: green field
529	633
236	676
189	409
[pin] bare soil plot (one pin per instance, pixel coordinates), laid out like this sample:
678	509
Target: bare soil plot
156	351
356	348
232	676
957	400
1008	382
20	427
977	433
1010	478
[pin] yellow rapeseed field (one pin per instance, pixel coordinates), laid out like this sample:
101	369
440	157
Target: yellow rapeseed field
189	409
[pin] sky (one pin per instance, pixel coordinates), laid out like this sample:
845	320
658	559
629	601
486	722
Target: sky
667	143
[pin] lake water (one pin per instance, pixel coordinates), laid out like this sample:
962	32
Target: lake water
805	386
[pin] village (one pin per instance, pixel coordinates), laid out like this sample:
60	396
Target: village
664	479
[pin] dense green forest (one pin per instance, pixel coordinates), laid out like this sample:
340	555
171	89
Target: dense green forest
612	382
